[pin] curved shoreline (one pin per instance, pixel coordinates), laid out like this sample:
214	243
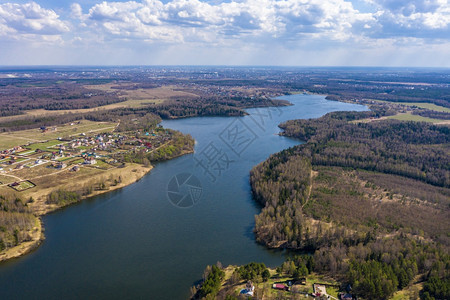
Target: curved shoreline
26	247
134	173
41	208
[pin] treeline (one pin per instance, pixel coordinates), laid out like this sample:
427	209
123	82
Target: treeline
379	267
375	269
363	86
147	116
63	197
297	266
411	149
179	144
281	184
252	271
212	281
176	145
27	95
130	119
432	114
210	106
16	221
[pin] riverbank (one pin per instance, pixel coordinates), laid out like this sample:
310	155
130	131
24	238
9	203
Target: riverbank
37	236
113	179
129	174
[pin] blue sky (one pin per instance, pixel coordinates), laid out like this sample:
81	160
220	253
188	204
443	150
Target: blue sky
231	32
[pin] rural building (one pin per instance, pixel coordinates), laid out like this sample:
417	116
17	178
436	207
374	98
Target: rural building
90	161
249	289
280	286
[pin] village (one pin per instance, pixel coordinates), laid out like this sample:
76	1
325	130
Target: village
280	285
21	164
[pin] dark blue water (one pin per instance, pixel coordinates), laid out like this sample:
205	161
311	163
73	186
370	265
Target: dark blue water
137	244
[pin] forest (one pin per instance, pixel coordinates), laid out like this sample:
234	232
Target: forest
19	95
370	200
16	221
170	109
432	114
210	106
411	149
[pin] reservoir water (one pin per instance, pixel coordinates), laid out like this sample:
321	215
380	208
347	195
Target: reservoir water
153	239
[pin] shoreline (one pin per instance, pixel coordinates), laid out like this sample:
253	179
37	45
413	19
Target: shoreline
26	247
136	171
41	209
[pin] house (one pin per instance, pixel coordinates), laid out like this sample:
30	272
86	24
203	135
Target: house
90	161
280	286
249	289
61	166
319	289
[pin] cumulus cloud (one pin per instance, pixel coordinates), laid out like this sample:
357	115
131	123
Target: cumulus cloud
232	24
30	18
76	10
416	18
197	20
194	20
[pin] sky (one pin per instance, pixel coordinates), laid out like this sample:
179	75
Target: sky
226	32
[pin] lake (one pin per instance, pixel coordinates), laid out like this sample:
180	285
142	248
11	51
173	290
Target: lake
153	239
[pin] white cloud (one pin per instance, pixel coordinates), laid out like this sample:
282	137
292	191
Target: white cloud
30	18
288	19
233	28
76	10
194	20
416	18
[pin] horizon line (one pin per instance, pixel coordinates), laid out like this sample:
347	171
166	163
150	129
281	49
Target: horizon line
218	65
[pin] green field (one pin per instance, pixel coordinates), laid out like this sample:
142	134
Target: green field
44	146
77	161
411	117
102	164
425	105
6	160
64	158
23	185
9	141
428	106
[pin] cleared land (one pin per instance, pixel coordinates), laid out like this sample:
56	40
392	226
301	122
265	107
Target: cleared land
426	105
410	117
11	139
140	96
407	116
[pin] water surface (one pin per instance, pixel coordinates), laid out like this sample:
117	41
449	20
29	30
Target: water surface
135	244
